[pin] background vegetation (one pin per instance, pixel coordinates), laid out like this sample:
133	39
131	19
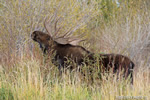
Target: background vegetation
110	26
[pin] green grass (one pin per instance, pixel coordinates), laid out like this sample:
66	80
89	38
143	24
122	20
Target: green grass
5	93
107	29
26	82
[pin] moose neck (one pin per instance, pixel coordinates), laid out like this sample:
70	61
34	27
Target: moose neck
50	47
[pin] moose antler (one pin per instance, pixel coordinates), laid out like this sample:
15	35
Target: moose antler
66	38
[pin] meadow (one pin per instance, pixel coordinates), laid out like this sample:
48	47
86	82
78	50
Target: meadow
108	26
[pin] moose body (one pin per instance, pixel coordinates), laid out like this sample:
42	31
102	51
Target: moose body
63	48
60	53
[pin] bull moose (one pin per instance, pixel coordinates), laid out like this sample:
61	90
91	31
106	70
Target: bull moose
62	48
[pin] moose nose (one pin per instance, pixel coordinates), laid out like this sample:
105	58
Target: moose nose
33	35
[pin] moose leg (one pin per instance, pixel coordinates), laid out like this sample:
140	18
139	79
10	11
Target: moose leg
129	73
60	66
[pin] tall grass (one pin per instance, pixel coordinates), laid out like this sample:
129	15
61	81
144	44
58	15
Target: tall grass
108	28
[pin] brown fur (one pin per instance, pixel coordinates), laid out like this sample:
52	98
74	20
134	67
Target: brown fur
118	63
78	54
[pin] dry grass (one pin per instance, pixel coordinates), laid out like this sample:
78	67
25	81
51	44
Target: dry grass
123	29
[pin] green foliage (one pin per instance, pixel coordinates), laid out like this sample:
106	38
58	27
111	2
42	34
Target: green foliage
6	93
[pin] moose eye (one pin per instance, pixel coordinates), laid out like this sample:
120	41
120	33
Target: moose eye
37	37
48	38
